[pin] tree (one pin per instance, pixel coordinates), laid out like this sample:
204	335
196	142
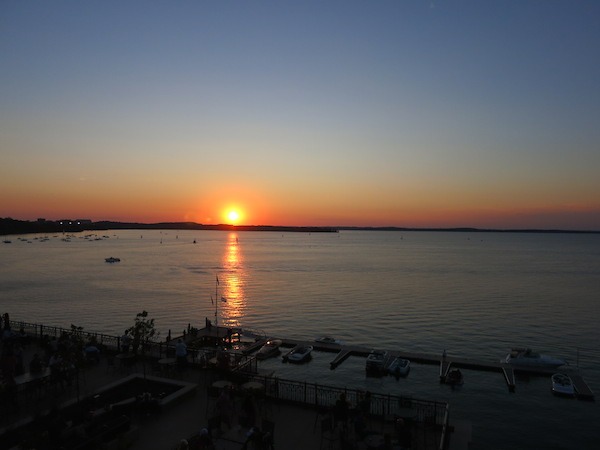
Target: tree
143	332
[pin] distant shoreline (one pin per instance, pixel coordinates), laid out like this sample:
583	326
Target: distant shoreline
11	226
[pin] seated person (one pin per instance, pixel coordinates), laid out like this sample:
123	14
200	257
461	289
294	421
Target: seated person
92	352
205	441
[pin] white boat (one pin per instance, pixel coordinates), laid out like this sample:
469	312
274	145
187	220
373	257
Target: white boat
399	367
271	348
112	260
376	361
562	385
329	340
527	358
299	354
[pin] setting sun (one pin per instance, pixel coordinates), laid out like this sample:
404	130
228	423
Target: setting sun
233	216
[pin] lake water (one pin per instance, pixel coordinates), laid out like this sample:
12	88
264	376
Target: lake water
474	294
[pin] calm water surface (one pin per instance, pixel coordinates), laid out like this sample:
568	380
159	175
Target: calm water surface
474	294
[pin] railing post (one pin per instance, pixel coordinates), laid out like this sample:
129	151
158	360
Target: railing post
305	392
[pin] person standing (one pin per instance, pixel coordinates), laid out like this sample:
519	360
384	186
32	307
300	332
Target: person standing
341	411
125	342
181	354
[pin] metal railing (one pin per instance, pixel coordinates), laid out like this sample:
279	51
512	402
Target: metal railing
39	331
380	404
299	392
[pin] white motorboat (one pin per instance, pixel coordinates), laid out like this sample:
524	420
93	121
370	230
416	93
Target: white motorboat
562	385
527	358
328	340
376	361
271	348
112	260
399	367
299	354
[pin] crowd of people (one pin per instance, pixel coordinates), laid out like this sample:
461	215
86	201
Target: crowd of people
61	356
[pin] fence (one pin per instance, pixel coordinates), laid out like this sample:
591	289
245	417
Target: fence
304	393
38	331
380	405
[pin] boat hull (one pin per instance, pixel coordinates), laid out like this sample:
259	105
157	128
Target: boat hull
399	367
562	385
271	348
376	362
300	355
328	340
527	358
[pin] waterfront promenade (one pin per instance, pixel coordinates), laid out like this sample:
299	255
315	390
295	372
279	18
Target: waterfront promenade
297	422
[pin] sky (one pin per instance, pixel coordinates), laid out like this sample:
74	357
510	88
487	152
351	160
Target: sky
324	113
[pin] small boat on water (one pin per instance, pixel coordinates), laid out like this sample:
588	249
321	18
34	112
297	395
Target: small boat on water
527	358
562	385
376	361
271	348
399	367
112	260
455	378
328	340
299	354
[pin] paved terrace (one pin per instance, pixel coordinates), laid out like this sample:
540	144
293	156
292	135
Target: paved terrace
297	422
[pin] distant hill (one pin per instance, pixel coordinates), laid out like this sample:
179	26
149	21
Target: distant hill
12	226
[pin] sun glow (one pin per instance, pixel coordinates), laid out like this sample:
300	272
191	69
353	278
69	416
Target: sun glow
233	216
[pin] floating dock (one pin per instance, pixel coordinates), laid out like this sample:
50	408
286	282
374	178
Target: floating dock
583	390
508	371
444	368
509	376
340	358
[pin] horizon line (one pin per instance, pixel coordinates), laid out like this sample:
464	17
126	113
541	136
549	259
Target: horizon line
82	223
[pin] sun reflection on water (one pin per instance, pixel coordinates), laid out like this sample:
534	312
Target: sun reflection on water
232	303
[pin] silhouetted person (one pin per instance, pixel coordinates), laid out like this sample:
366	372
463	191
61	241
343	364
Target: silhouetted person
340	411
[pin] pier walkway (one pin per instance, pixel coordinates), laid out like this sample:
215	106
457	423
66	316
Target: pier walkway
508	371
215	334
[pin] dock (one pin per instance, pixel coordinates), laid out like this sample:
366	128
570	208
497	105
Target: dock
340	358
444	368
508	371
583	390
343	352
255	346
509	376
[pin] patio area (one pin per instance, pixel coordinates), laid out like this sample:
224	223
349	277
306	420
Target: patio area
233	409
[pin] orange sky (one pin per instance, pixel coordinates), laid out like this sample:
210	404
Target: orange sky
399	114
